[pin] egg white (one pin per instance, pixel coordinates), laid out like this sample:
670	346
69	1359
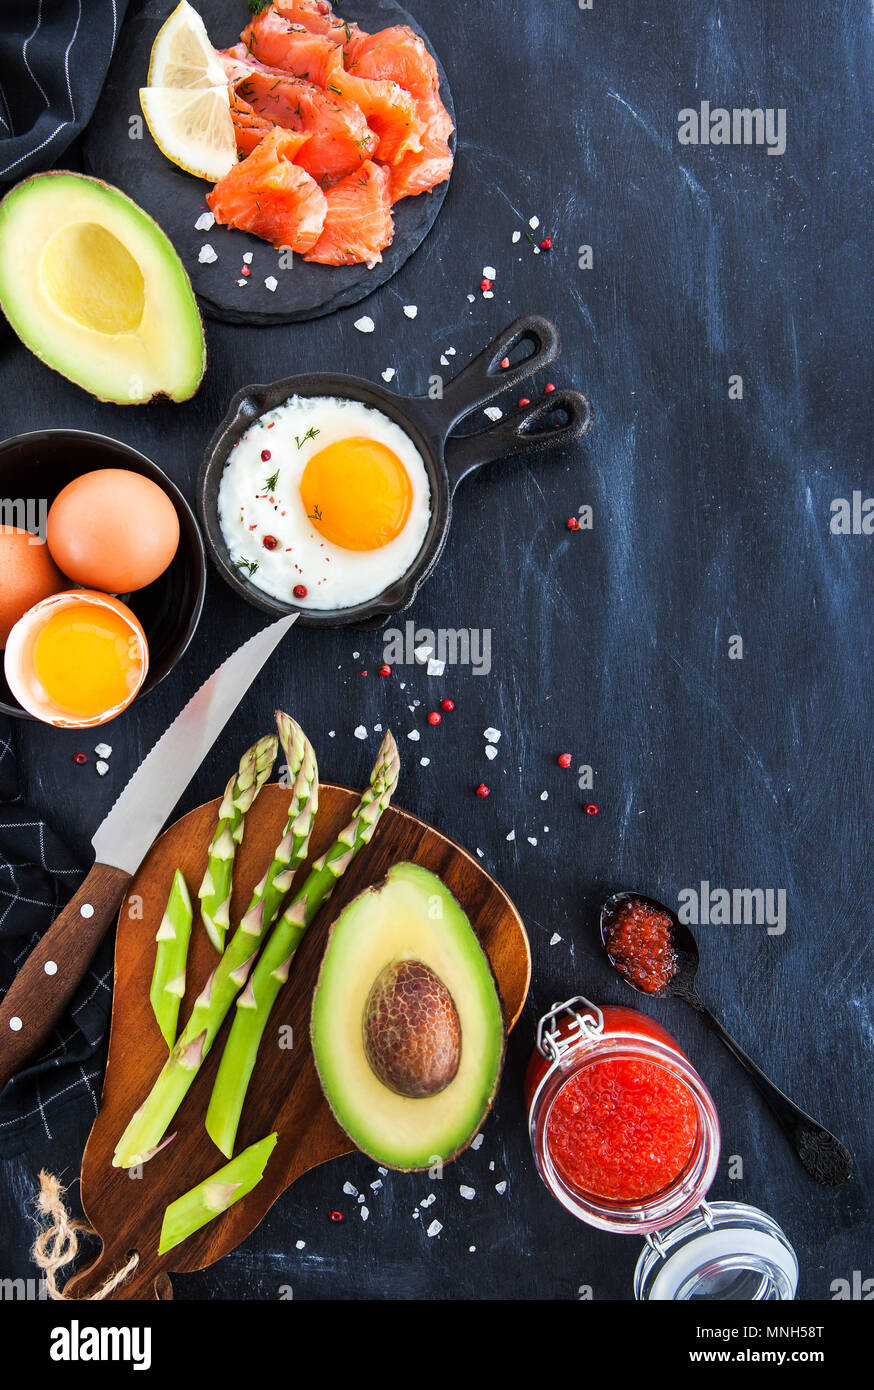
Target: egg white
334	577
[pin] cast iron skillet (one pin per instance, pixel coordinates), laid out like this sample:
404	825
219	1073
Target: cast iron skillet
558	418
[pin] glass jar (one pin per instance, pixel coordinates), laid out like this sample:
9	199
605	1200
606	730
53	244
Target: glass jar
576	1035
725	1251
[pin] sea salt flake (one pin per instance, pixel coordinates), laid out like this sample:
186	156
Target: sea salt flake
517	236
429	1200
247	258
471	299
491	751
332	733
414	735
491	735
512	835
537	250
416	1215
494	412
383	1171
479	852
532	839
350	1190
500	1187
444	360
424	762
300	1244
242	283
492	1166
361	732
534	223
364	1213
361	1198
422	653
376	1186
389	374
271	282
204	222
554	939
435	667
544	796
411	310
103	750
434	1229
488	294
207	254
365	324
468	1193
489	272
472	1249
450	352
102	768
377	728
477	1143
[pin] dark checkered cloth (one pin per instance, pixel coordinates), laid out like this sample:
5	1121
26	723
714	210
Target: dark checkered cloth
38	874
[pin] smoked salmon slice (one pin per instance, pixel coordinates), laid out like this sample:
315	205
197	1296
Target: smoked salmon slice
396	55
358	222
340	137
272	197
419	172
274	40
317	16
248	128
390	112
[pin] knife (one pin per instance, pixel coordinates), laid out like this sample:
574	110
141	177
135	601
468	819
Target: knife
45	984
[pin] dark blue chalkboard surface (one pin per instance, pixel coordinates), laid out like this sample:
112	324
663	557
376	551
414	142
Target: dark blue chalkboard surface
704	647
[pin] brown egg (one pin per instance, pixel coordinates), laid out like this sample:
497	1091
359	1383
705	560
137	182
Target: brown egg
27	575
113	530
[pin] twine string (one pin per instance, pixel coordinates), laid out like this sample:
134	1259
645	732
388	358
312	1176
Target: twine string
57	1244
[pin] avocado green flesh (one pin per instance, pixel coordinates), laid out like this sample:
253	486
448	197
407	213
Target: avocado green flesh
411	915
94	288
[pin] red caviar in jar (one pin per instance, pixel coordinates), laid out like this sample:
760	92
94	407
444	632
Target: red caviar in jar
639	941
622	1129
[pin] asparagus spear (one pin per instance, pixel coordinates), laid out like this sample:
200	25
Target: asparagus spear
149	1123
271	972
168	979
215	890
214	1195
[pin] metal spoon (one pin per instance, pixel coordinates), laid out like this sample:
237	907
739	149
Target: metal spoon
823	1156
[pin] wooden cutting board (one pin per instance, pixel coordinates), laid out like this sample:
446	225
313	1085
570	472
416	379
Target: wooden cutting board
284	1094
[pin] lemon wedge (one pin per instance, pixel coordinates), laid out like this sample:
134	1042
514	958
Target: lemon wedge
192	126
182	55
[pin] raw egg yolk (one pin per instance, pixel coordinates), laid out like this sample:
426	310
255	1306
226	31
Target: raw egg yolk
87	659
357	494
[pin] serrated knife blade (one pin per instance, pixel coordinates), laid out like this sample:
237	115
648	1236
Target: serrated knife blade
48	979
145	803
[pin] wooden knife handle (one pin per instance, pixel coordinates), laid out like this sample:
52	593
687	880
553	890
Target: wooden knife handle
45	984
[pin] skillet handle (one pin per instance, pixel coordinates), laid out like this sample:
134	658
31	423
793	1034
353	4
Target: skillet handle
484	378
520	433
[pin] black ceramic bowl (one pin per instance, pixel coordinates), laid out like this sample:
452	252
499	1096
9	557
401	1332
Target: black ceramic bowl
554	420
35	467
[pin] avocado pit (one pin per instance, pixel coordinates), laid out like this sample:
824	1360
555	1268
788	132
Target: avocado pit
412	1034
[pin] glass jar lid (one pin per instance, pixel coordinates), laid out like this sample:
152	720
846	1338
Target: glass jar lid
723	1252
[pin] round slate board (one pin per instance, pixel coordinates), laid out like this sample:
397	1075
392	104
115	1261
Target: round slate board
176	199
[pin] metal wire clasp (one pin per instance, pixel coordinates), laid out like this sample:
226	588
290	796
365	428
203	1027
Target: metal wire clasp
586	1024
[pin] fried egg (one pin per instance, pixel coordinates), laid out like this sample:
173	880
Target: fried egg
324	502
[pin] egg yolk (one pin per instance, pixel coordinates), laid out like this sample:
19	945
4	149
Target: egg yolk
357	494
87	659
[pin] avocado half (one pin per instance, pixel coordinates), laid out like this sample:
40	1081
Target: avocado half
410	928
94	288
